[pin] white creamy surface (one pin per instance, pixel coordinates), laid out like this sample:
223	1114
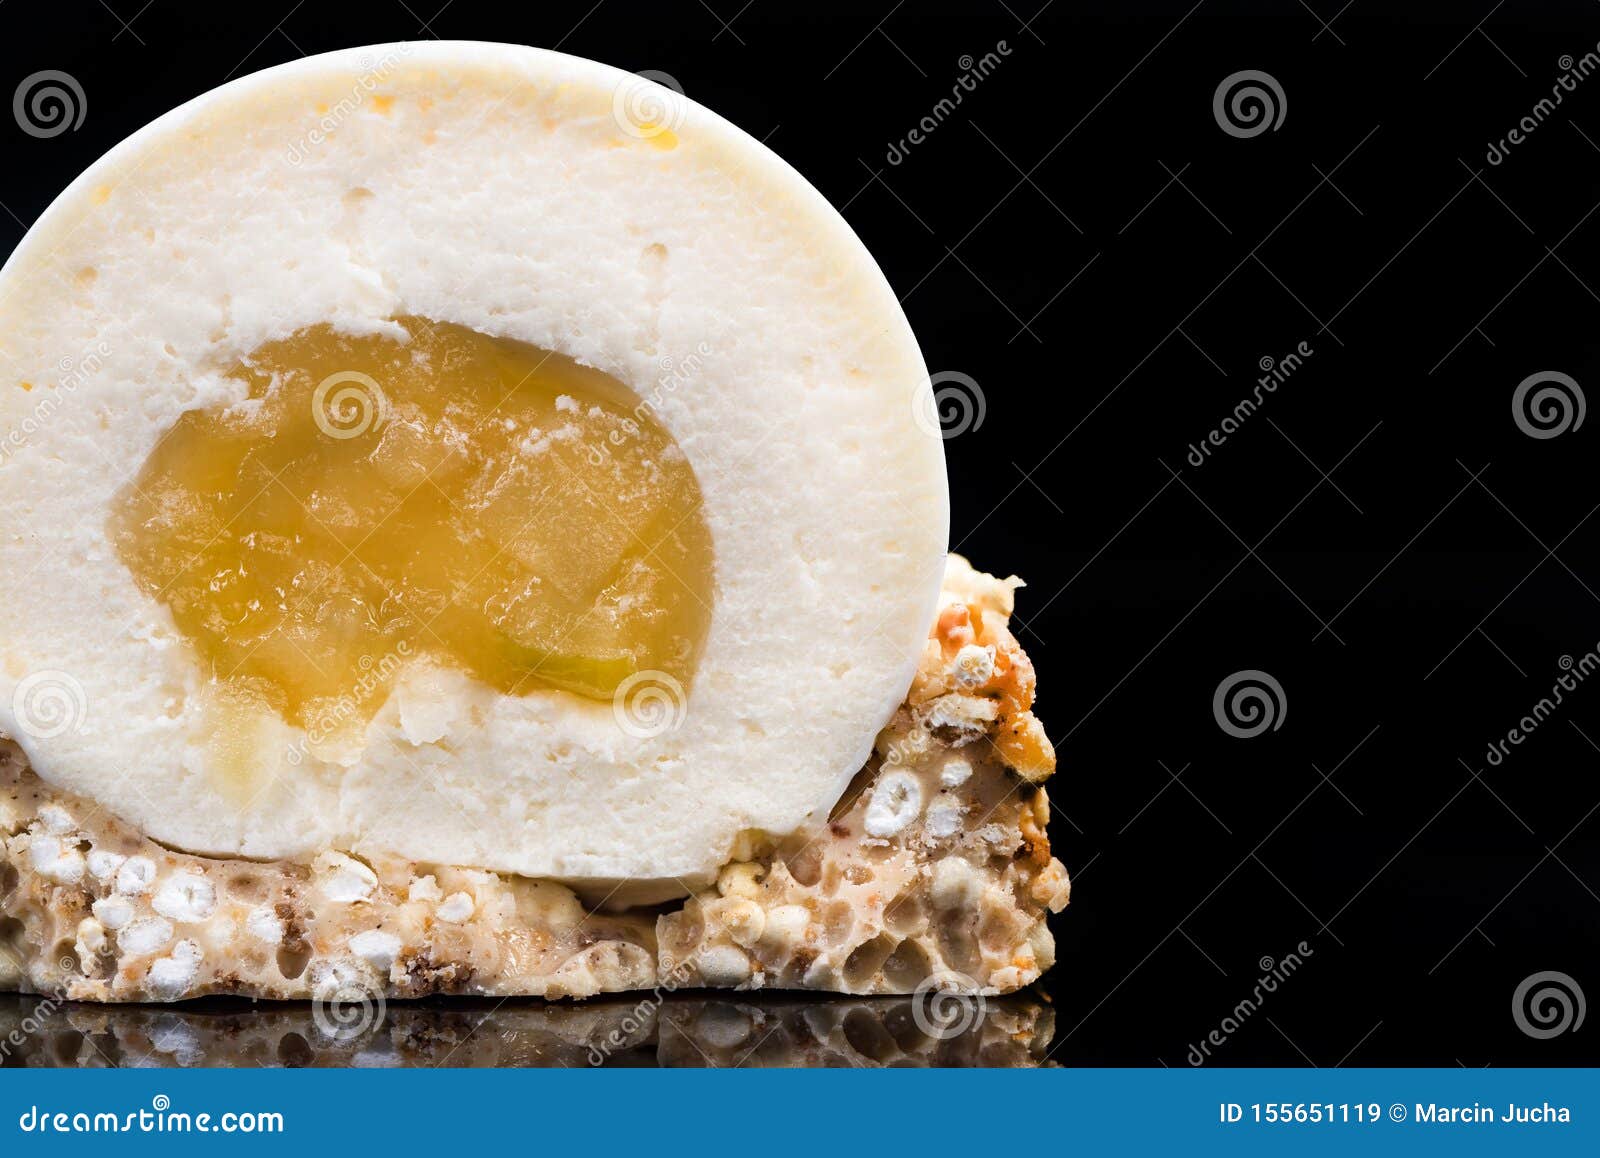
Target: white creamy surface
490	186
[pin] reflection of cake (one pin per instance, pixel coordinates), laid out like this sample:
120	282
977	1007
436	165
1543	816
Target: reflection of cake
747	1033
459	496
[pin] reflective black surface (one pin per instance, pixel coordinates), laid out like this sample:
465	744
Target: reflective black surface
668	1030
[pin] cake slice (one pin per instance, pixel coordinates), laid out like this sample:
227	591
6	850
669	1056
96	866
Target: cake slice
933	871
478	524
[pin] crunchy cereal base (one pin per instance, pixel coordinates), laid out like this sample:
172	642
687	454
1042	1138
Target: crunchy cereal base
933	871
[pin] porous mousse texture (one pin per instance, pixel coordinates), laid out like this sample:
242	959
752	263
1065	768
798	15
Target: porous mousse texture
933	870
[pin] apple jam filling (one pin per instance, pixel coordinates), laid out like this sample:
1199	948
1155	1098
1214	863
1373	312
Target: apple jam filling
479	501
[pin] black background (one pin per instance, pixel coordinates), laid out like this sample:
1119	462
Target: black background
1084	241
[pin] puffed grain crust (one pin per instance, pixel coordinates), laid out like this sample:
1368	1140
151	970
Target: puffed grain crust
933	871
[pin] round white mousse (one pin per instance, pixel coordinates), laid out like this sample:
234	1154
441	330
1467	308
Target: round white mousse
525	194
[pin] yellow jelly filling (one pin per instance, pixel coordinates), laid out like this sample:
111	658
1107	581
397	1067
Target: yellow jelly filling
475	500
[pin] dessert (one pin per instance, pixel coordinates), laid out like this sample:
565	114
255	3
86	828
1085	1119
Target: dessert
469	530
